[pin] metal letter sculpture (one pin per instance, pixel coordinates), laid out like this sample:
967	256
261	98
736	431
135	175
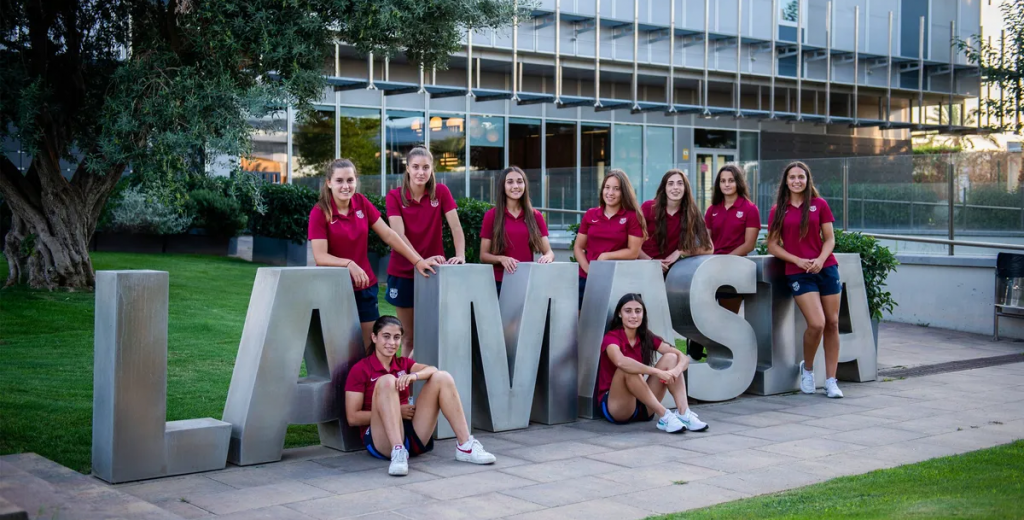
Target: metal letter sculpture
779	326
131	439
607	281
730	341
504	378
295	313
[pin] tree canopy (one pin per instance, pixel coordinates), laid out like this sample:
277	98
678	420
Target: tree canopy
161	85
1002	66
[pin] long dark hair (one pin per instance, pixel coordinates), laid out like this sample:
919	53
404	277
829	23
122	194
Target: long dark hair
382	322
431	187
628	198
717	197
500	242
324	202
693	233
782	202
642	332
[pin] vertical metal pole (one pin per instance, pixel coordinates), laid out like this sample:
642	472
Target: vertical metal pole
636	50
558	52
707	30
421	89
950	193
1002	65
515	52
670	93
828	62
846	194
739	55
478	73
597	54
369	72
888	76
856	60
289	127
469	62
387	68
920	71
988	95
799	59
337	103
952	70
775	61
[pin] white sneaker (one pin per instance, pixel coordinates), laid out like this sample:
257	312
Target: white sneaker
670	423
691	422
399	462
832	388
806	380
475	453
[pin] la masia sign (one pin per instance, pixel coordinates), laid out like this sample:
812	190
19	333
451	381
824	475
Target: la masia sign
526	356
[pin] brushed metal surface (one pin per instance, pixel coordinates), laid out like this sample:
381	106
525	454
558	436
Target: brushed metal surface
295	313
131	439
729	340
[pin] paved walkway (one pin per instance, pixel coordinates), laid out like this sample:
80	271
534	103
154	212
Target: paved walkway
594	470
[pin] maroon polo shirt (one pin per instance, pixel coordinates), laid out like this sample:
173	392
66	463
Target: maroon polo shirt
608	234
423	220
728	227
673	227
347	235
517	236
606	369
362	377
810	246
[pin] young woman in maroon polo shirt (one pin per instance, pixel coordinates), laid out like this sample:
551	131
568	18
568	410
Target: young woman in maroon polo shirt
800	233
339	230
627	356
674	223
415	211
613	231
512	230
378	398
734	222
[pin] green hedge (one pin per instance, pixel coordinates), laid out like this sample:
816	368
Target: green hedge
990	219
286	212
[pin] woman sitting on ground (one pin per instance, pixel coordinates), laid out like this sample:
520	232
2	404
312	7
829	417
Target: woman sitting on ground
378	398
627	355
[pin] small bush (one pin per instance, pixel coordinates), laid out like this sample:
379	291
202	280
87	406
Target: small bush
471	216
376	245
136	212
876	261
216	213
286	212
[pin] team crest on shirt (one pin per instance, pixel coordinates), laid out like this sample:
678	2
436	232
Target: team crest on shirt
739	214
796	286
400	373
434	203
359	213
393	292
814	208
622	220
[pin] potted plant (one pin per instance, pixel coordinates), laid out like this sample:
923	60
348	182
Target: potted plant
876	262
279	232
217	219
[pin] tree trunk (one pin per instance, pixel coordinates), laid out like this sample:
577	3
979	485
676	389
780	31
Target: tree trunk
54	219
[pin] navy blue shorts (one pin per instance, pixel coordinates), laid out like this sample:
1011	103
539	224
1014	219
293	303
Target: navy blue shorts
825	282
366	303
640	413
583	288
401	291
412	442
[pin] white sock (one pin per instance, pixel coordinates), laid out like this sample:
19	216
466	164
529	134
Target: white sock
467	445
684	413
397	447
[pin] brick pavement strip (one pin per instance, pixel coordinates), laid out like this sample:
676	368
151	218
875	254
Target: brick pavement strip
257	497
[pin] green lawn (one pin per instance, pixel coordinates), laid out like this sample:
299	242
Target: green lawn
46	353
981	484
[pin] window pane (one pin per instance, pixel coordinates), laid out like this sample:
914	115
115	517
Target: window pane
561	171
524	152
448	144
706	138
360	142
628	146
595	152
269	159
486	155
660	145
403	132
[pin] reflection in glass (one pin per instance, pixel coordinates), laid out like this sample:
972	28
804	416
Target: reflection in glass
448	145
628	144
269	159
561	171
710	138
360	142
312	144
486	155
524	151
595	153
404	131
659	160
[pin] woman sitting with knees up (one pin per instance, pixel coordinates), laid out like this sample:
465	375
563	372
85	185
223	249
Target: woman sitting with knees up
377	396
627	356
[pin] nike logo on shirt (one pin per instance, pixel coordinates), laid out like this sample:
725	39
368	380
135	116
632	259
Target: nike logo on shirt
372	379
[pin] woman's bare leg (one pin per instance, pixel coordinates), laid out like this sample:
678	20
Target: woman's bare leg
407	317
386	416
626	389
677	388
830	309
439	395
810	306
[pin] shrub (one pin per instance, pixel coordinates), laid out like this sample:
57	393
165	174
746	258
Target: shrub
876	263
471	216
935	149
216	213
286	212
376	245
136	212
988	217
